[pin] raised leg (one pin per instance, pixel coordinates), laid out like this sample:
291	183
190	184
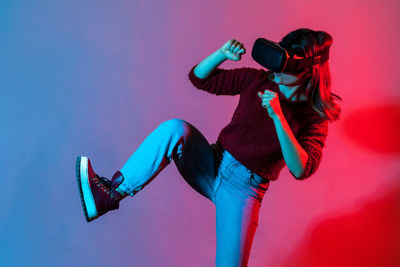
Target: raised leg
173	139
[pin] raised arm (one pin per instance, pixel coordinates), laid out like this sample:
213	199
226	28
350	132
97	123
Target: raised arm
207	77
230	50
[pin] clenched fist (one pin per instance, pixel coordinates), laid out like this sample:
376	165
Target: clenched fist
270	101
233	50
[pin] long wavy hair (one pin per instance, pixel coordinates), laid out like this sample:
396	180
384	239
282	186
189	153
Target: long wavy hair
317	88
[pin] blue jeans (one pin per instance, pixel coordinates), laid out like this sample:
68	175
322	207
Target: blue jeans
213	172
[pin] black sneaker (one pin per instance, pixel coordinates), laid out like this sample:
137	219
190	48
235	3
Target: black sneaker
98	194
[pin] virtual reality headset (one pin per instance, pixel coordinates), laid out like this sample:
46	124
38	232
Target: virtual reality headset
276	58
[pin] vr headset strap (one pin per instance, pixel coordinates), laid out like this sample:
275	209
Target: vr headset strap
301	63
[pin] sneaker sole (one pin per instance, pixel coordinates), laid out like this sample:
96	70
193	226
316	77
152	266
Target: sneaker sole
87	199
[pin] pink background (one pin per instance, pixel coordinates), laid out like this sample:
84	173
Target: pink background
95	78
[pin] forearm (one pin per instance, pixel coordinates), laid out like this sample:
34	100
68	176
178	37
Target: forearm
205	67
294	155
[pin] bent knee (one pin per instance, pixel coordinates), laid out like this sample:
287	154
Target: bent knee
177	126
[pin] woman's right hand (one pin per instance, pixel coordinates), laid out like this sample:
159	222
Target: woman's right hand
233	50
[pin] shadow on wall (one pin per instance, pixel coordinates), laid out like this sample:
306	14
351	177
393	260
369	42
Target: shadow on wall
375	127
368	236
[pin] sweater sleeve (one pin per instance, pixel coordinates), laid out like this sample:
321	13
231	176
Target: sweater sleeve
223	81
312	140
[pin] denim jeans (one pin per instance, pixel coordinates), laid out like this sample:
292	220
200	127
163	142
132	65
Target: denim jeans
213	172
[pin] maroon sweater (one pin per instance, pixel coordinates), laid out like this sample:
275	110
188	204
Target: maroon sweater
251	135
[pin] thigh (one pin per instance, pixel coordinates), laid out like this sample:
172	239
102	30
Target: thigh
238	200
236	223
194	158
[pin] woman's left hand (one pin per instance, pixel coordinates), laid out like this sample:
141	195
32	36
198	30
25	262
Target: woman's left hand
270	101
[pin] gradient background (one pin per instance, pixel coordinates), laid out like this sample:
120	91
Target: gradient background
95	78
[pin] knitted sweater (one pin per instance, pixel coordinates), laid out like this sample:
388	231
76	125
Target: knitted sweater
251	135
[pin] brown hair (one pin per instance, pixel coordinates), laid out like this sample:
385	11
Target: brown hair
317	88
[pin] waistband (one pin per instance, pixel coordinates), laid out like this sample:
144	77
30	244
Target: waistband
223	152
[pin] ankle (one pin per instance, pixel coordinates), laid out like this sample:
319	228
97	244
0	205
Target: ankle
123	193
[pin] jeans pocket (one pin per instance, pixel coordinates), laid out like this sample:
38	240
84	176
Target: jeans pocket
258	181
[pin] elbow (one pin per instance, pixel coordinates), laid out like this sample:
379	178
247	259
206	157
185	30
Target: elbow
302	173
300	176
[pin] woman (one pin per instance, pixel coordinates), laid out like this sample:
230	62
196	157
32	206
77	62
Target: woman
281	119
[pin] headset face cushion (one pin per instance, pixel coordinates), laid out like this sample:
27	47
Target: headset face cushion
269	55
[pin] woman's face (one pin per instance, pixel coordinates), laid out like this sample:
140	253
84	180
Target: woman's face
290	79
289	82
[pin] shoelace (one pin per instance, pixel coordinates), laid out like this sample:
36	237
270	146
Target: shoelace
103	183
106	185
